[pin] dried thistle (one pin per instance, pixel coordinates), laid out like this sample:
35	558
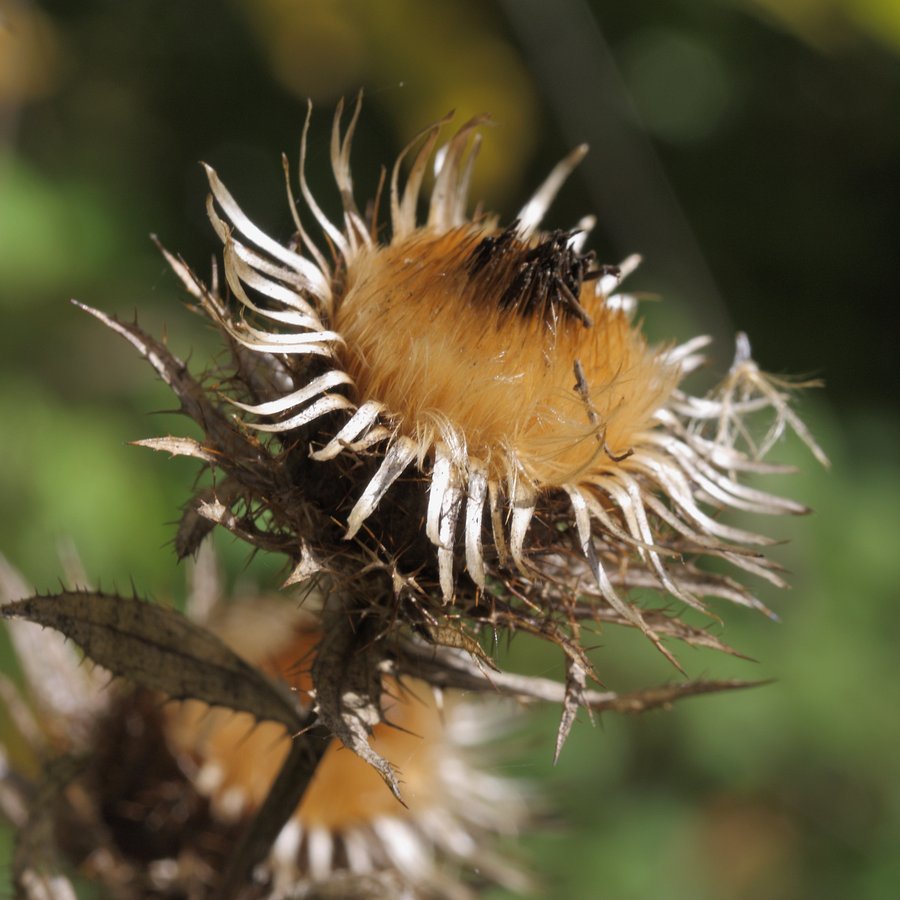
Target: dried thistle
451	432
474	398
150	797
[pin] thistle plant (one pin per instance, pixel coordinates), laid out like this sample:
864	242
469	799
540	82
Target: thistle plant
451	429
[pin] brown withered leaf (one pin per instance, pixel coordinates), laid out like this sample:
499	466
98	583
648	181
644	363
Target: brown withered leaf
447	635
348	691
158	649
443	667
665	624
663	696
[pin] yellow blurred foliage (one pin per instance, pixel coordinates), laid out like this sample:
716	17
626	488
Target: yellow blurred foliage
418	59
314	49
831	24
29	54
879	17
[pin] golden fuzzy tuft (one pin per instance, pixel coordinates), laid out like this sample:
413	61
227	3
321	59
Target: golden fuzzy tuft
439	329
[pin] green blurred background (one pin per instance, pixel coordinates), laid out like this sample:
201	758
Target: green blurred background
749	149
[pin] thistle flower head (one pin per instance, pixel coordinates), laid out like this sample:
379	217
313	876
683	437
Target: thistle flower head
500	370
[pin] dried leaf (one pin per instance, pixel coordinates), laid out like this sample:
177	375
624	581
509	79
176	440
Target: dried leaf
158	649
664	696
217	512
348	691
447	668
193	527
305	569
447	635
240	456
666	625
178	446
573	699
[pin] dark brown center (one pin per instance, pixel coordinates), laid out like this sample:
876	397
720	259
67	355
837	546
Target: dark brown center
542	279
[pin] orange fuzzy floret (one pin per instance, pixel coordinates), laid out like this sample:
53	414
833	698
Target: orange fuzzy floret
431	340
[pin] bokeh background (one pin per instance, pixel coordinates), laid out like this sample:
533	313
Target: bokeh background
749	149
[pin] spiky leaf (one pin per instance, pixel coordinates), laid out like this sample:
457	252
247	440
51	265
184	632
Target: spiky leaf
158	649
